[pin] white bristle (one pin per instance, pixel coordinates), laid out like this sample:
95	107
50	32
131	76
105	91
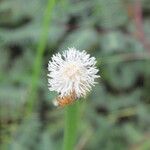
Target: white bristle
55	102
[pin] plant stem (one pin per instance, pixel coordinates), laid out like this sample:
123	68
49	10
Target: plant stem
138	19
38	59
71	124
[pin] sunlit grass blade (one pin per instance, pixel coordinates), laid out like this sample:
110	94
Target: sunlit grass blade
39	56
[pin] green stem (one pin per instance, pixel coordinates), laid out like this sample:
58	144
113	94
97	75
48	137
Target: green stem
71	124
39	56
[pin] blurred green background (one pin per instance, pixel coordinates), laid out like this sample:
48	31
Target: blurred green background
116	114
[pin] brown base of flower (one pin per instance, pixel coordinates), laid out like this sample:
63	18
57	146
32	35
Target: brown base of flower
66	100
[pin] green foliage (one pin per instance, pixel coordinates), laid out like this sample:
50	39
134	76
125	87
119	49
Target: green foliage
79	37
111	13
27	131
115	115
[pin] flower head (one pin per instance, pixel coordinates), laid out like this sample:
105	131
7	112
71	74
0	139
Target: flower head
72	72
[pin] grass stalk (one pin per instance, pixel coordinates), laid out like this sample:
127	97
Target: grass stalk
39	56
71	125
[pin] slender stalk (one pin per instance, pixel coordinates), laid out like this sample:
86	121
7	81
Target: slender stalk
138	19
38	59
71	124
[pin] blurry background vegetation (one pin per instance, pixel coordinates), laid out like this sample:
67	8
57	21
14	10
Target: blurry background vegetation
116	114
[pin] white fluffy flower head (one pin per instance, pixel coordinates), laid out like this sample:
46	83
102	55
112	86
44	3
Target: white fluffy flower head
73	71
